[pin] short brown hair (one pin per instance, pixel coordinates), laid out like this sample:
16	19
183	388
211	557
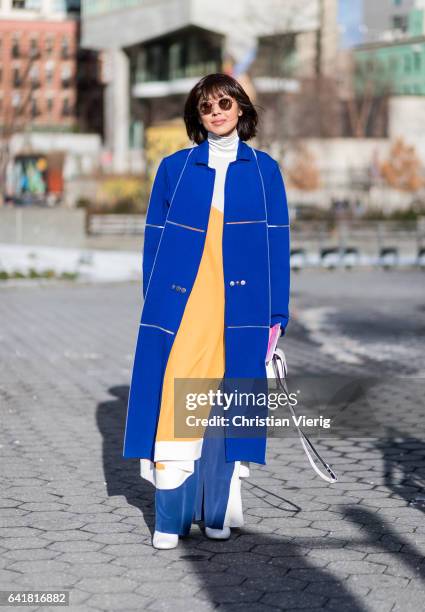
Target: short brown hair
215	84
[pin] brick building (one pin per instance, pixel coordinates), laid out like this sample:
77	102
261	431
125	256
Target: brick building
44	76
49	87
38	67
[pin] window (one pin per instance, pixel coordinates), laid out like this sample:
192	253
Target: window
359	70
400	22
34	74
49	69
34	51
16	52
65	48
49	44
17	81
66	108
407	63
397	2
66	75
74	6
16	99
417	61
50	105
34	108
32	5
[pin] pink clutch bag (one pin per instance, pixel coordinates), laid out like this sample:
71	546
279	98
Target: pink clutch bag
274	336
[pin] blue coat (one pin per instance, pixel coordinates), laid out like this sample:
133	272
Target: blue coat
255	248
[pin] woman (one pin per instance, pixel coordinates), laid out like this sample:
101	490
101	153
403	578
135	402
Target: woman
215	281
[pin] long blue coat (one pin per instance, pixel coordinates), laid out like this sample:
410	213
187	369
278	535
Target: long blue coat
255	249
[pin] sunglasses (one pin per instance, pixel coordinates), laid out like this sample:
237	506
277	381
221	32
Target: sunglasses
205	108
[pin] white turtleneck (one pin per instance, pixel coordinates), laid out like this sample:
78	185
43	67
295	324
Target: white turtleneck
221	151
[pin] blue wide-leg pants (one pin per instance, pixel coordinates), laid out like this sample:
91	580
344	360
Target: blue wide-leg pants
204	495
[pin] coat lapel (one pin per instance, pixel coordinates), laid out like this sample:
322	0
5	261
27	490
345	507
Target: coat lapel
198	181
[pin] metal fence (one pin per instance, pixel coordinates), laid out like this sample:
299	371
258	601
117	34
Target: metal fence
346	243
119	225
350	243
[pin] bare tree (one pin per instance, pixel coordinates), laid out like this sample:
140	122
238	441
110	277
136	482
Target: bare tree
302	98
18	111
367	100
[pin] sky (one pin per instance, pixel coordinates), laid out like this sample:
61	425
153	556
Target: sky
350	18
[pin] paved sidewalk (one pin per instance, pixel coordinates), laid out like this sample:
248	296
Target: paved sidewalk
74	515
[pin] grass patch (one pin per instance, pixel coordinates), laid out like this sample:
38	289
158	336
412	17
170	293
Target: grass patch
33	273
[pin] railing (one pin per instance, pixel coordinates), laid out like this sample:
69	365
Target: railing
190	70
119	225
340	232
345	244
360	230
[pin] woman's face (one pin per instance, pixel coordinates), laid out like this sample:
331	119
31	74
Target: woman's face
217	117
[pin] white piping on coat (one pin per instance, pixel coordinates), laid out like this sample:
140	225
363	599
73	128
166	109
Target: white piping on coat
181	174
166	219
196	229
235	326
158	327
267	235
238	222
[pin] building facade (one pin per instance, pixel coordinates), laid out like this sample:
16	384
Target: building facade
395	66
364	22
38	64
47	85
162	48
386	19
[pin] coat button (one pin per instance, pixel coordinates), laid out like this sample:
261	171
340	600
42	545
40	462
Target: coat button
173	286
232	283
178	288
243	282
183	289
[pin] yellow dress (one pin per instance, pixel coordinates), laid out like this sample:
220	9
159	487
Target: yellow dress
198	350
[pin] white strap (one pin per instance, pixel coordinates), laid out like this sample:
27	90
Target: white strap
280	370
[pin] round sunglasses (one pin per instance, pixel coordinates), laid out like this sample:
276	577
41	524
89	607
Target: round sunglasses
205	108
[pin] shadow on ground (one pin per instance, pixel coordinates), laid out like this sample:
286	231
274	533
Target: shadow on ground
249	567
404	465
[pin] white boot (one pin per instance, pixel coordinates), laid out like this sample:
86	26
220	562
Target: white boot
165	540
218	534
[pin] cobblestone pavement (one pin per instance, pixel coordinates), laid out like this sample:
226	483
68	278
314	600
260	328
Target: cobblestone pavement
74	515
